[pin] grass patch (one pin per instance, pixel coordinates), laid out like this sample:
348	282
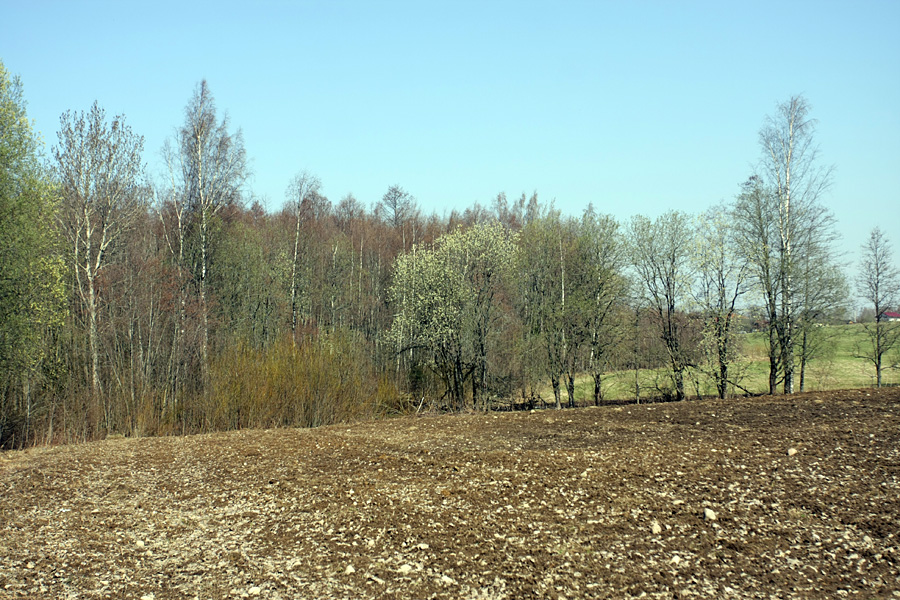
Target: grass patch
835	365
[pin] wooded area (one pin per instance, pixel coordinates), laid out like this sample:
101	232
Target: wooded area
144	307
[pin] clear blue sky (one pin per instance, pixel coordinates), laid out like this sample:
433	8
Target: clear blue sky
636	107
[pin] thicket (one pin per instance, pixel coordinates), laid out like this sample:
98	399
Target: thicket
178	306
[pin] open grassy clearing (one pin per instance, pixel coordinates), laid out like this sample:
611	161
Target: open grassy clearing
836	366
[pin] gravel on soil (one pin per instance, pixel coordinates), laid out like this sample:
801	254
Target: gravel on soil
769	497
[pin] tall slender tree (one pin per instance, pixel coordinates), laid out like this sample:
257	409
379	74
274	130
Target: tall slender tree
214	170
754	216
174	219
821	289
790	168
546	241
606	287
300	191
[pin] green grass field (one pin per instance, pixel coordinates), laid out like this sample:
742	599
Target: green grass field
836	366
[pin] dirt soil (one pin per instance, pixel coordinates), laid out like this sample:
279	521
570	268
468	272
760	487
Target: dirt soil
802	492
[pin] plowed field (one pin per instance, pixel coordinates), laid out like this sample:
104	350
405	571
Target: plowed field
772	497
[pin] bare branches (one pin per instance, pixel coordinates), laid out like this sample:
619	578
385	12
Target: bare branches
791	173
878	282
722	278
660	257
101	179
214	169
302	188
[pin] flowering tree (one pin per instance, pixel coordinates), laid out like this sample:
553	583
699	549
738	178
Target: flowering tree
446	304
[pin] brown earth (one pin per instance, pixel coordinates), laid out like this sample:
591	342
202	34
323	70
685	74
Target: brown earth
587	503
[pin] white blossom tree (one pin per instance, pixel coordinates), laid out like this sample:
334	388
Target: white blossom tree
446	303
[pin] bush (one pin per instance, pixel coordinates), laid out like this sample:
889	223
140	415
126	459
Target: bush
325	379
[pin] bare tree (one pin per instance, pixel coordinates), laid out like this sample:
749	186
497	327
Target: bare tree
214	169
755	216
722	278
878	282
789	167
302	187
548	250
398	209
396	205
169	200
660	255
821	289
101	179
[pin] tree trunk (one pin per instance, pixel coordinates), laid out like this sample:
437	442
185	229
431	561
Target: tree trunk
722	342
804	348
204	309
93	338
459	391
294	278
26	401
879	329
678	372
637	384
554	381
562	268
788	354
878	372
773	359
722	384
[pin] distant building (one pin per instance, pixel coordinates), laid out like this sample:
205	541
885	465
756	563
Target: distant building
890	316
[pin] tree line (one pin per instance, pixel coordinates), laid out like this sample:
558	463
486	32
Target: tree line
181	305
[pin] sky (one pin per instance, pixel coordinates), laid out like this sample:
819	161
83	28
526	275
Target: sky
636	107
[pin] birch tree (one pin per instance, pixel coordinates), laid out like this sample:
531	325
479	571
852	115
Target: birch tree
755	217
301	189
175	218
571	286
542	297
789	167
101	182
604	254
214	169
821	289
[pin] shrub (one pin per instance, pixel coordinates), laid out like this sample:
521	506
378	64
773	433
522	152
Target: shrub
323	380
